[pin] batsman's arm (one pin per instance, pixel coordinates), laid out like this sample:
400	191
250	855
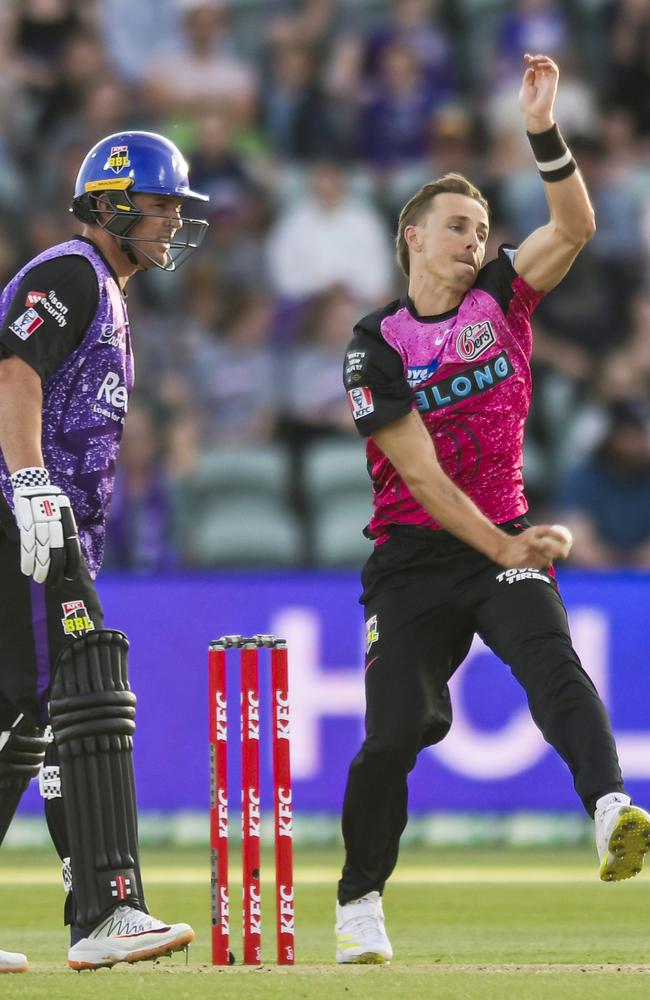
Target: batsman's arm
21	407
49	544
408	446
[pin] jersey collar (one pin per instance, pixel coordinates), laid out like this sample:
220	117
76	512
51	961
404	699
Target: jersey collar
407	302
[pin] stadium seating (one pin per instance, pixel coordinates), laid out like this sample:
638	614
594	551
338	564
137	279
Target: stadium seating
246	532
338	496
235	510
256	471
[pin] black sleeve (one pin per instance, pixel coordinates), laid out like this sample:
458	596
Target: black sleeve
497	276
373	375
50	312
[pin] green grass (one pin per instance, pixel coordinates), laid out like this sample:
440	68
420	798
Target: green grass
492	924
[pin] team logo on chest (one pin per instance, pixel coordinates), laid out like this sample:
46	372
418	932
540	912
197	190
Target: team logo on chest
474	340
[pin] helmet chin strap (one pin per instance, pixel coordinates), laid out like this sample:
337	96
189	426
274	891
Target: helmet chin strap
122	223
126	247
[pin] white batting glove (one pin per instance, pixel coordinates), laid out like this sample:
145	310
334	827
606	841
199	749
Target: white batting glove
49	544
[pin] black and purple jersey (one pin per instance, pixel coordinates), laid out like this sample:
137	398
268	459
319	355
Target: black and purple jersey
467	372
65	315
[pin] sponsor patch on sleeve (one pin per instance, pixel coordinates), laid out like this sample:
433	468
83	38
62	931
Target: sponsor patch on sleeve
354	367
361	402
26	324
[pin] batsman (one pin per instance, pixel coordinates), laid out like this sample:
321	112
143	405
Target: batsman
66	371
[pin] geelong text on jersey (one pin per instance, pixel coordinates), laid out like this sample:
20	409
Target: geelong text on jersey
467	383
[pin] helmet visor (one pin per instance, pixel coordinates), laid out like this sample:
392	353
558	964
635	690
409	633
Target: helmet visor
177	249
167	254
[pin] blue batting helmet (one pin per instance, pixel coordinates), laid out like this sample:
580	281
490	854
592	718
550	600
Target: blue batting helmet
127	163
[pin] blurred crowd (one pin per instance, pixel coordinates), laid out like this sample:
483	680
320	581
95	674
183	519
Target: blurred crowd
309	123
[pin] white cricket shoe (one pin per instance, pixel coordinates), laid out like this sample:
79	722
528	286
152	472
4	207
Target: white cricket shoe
622	837
361	937
12	961
128	935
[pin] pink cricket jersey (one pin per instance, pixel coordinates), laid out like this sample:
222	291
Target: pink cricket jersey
468	374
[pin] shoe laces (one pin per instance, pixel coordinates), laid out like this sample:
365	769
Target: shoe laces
127	920
368	918
363	926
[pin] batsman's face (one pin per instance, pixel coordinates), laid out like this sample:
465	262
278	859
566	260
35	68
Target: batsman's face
449	242
154	232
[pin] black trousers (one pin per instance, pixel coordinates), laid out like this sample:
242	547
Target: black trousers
36	622
426	595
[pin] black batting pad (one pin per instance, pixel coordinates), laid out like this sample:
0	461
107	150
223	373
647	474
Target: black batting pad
22	751
92	712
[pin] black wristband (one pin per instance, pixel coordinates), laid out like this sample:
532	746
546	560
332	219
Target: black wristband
552	155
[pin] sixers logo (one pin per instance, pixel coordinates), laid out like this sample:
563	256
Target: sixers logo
475	340
117	159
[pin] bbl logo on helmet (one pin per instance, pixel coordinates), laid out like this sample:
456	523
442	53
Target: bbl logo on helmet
76	619
118	158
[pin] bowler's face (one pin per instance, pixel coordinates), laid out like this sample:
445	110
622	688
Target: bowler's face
450	241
